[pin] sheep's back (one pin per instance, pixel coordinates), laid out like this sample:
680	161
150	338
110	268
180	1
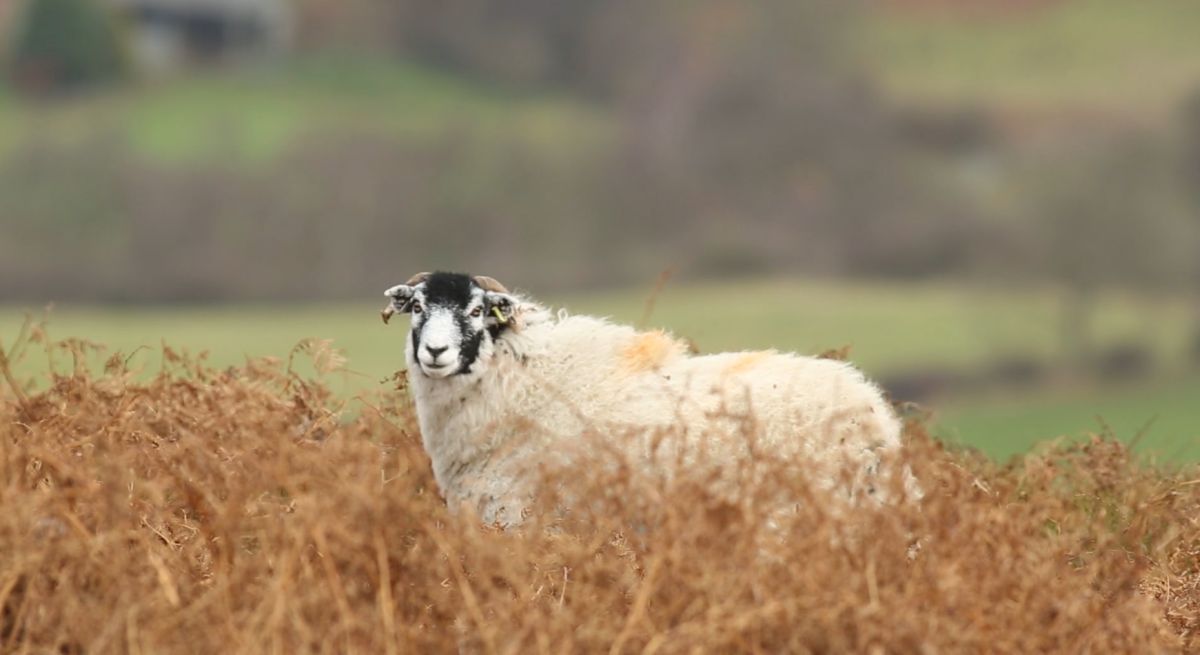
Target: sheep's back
786	398
642	394
614	376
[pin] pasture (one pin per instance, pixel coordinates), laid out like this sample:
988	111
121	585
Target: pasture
889	327
249	118
1135	60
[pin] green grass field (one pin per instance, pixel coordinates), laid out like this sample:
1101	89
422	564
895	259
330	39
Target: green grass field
1135	58
1165	413
250	116
889	327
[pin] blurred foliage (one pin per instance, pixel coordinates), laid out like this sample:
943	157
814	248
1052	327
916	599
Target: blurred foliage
1190	150
571	145
63	44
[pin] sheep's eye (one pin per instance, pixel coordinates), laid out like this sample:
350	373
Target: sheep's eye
477	312
416	308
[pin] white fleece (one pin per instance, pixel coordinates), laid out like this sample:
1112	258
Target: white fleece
549	380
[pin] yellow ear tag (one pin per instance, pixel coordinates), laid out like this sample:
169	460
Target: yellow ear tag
499	316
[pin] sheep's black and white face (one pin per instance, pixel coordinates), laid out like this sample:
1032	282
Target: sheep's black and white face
455	319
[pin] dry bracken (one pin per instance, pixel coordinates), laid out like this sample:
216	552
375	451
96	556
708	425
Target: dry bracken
248	510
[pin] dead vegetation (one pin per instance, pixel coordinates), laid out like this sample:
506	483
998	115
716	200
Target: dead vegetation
248	510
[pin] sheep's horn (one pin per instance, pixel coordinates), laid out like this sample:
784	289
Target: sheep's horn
386	313
489	284
418	278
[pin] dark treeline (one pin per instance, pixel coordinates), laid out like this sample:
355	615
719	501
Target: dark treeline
747	139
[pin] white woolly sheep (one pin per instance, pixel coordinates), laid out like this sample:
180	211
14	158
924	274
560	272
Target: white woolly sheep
501	383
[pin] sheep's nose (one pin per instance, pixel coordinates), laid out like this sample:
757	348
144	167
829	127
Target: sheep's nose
436	352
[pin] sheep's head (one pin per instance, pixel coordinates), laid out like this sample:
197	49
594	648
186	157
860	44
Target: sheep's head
456	318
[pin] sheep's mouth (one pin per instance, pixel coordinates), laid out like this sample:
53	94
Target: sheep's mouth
436	370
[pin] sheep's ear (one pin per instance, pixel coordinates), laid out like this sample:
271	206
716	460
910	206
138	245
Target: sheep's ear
401	300
501	307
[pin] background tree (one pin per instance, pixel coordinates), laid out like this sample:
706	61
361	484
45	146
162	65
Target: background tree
1102	215
1191	182
63	44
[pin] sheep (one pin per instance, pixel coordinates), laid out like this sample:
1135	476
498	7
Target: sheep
501	383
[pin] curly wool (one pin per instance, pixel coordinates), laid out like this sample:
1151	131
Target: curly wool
550	379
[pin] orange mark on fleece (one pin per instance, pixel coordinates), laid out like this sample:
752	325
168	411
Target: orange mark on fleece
748	361
649	350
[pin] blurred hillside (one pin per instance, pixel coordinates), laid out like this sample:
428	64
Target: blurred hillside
312	152
204	150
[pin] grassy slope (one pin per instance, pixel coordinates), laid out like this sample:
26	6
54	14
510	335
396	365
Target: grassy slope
1133	57
1166	412
889	326
252	115
1112	54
